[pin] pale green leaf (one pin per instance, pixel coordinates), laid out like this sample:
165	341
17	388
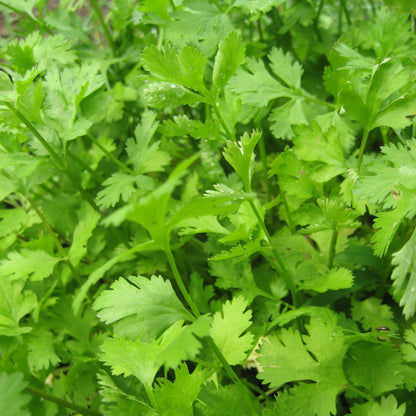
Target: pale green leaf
404	276
140	307
14	305
185	66
82	234
228	328
230	56
13	399
176	398
28	264
241	156
377	368
372	314
335	279
143	359
386	407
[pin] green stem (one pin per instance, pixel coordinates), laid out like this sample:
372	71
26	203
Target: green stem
47	226
27	16
263	158
222	121
230	372
61	402
312	99
151	397
95	176
281	264
346	12
172	4
53	154
97	10
179	281
358	392
332	246
58	244
316	21
362	148
108	154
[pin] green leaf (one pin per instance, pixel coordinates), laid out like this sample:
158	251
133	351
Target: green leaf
287	358
377	368
41	351
235	276
303	399
241	156
13	400
159	7
143	359
386	407
82	234
230	56
404	276
285	116
151	211
335	279
209	204
218	400
65	90
165	94
122	185
256	86
182	125
228	327
176	398
257	6
322	149
28	264
185	67
14	305
200	24
140	307
372	314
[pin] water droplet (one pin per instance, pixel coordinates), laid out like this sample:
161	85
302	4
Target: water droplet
413	289
172	85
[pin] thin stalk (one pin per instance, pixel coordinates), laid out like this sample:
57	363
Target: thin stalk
108	154
222	122
263	158
179	281
283	269
231	373
172	4
316	20
362	148
332	246
346	12
97	10
339	22
40	23
62	402
53	154
151	397
58	244
317	100
95	176
358	392
48	227
384	135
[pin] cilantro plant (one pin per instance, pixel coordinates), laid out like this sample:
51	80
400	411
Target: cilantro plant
207	207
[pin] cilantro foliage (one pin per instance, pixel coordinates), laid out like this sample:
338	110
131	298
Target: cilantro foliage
207	207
